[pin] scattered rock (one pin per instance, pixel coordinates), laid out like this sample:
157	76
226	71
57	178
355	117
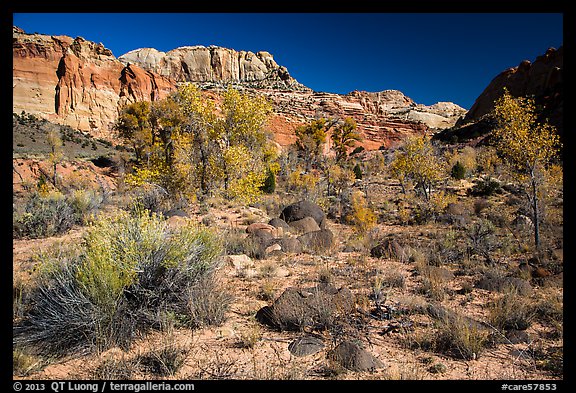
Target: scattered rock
280	223
175	222
317	241
290	245
389	249
297	308
306	345
302	209
272	248
305	225
260	226
517	336
240	262
282	272
500	284
352	357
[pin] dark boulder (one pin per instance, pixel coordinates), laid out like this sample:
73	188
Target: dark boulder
350	356
305	225
501	284
302	209
306	345
317	241
297	308
279	223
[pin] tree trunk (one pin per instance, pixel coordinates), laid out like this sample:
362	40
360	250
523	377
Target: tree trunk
535	213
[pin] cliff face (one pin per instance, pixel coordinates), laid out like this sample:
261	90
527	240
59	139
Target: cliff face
216	65
384	118
542	79
81	84
77	82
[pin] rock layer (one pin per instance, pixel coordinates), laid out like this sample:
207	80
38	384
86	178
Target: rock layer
81	84
77	82
542	79
215	64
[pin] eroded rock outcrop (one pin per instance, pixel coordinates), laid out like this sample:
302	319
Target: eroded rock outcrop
77	82
80	83
541	79
215	65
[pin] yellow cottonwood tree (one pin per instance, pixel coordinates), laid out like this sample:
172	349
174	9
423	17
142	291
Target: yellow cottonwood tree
417	161
344	136
527	145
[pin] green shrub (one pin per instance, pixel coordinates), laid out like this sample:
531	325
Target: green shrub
269	185
131	272
486	187
460	338
458	171
511	311
53	213
43	216
357	171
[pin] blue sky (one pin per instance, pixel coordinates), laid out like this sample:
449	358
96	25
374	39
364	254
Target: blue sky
429	57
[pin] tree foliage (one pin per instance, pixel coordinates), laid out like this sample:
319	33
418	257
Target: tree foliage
418	162
310	139
192	147
344	136
527	146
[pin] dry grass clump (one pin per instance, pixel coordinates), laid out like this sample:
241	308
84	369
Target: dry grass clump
511	311
113	368
460	338
166	358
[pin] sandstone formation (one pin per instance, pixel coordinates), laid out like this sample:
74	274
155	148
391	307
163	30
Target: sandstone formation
77	82
80	83
384	118
215	65
542	79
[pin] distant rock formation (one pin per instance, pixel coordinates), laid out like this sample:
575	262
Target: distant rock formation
542	79
77	82
80	83
215	64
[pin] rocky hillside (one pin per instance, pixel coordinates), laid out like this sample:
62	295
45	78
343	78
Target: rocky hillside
82	84
541	79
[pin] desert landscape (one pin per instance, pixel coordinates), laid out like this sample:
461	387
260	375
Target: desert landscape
199	214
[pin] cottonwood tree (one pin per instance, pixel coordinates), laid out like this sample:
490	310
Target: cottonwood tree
344	136
417	161
133	124
528	146
310	139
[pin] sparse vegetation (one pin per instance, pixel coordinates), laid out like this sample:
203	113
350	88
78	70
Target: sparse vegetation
407	230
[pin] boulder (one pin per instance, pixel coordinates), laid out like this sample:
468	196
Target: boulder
260	226
306	345
290	245
302	209
389	248
305	225
240	262
280	223
500	284
298	308
317	241
350	356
